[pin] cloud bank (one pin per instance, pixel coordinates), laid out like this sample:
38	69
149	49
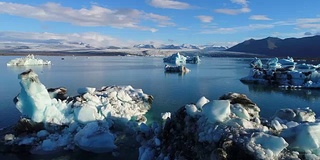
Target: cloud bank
94	16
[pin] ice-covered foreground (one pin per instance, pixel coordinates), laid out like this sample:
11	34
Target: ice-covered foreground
29	60
83	121
95	120
230	128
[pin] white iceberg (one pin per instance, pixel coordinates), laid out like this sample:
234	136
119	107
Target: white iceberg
83	121
175	58
29	60
193	60
266	146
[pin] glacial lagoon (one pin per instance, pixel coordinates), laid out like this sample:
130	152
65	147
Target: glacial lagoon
211	78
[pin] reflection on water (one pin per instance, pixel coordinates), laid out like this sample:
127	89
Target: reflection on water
305	94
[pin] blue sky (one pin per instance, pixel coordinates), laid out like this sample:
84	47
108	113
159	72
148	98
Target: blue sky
128	22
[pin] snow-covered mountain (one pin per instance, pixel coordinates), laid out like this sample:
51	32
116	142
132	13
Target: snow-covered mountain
150	46
170	46
212	48
189	46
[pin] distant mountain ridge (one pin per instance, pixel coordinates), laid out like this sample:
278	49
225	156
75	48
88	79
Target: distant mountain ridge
273	46
183	46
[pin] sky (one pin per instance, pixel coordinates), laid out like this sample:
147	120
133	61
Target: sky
128	22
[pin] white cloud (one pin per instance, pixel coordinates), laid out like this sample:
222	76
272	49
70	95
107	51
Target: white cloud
244	9
230	30
308	23
163	21
170	4
241	2
205	19
260	17
312	24
94	16
92	38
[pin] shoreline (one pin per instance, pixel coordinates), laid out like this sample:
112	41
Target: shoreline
144	53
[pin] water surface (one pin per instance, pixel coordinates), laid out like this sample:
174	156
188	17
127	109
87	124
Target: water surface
211	78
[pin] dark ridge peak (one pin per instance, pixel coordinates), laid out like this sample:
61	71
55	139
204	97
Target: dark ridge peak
274	46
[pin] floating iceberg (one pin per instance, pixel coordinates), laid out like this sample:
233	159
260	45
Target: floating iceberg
85	121
193	60
175	58
29	60
282	73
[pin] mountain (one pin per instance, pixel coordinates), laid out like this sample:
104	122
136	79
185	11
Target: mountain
189	46
170	46
273	46
144	46
207	48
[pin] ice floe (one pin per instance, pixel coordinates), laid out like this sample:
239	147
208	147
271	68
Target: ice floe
284	73
29	60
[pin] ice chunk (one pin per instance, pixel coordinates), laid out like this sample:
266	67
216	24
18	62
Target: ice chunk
217	110
266	146
34	100
202	101
165	115
86	113
175	58
239	111
191	109
304	137
95	138
28	61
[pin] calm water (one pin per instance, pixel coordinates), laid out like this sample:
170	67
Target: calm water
212	78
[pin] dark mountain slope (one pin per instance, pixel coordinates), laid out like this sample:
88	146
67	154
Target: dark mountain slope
271	46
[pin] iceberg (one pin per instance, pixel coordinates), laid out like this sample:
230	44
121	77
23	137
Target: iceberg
29	60
284	73
193	60
175	58
84	121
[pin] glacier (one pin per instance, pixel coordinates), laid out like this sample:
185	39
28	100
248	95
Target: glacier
29	60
